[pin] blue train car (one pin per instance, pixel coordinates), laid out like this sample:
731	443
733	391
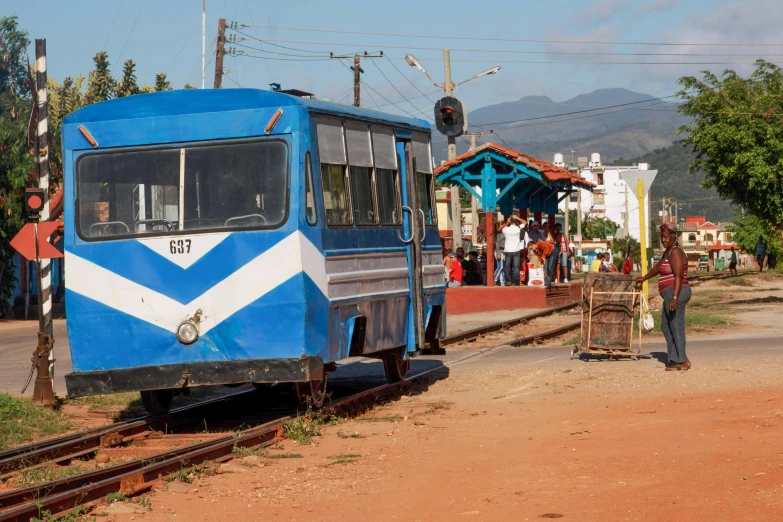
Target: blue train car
232	236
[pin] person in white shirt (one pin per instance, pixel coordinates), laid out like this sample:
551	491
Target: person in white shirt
512	234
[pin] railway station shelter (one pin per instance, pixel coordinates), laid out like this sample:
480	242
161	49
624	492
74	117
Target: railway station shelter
509	180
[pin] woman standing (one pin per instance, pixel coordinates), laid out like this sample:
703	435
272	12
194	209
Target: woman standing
676	292
761	252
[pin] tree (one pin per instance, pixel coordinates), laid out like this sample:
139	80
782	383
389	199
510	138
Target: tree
188	86
161	84
736	131
628	244
592	226
746	230
100	84
128	85
16	163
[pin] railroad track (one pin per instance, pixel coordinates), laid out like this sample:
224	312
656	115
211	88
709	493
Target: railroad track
136	476
476	333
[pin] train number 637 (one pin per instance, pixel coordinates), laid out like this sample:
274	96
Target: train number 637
180	246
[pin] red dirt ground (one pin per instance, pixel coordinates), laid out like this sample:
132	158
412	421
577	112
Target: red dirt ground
522	441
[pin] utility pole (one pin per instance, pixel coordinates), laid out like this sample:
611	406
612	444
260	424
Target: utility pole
626	228
578	208
357	72
203	42
220	51
456	210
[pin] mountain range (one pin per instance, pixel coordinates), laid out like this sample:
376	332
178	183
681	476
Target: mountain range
536	129
632	133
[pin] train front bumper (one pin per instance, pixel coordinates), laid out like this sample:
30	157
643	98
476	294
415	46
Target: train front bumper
201	373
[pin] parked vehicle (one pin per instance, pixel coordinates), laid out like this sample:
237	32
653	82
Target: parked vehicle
231	236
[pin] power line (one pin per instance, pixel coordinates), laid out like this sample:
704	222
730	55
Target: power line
578	112
408	79
518	40
111	31
233	80
395	87
131	30
518	51
268	66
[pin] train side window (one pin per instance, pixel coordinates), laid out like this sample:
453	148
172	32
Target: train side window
424	177
361	193
336	204
424	193
310	213
387	183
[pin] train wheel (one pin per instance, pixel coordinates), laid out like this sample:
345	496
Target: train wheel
312	393
157	401
396	367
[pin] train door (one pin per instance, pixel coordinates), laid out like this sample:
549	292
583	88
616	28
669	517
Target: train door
412	235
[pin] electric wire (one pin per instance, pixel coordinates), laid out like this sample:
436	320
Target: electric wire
519	51
119	57
394	86
268	65
111	30
520	40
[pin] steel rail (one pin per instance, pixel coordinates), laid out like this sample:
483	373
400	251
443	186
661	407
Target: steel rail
502	325
136	476
83	442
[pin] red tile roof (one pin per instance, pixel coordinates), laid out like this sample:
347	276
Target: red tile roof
547	170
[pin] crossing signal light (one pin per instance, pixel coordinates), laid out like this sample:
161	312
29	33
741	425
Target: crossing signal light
451	116
33	201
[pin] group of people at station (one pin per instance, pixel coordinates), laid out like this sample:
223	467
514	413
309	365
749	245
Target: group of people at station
519	247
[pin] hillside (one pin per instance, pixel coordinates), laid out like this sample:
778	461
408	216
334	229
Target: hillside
615	133
674	181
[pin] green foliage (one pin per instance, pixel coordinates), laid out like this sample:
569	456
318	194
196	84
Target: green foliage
189	87
737	135
100	84
79	514
747	229
48	473
161	84
625	245
128	85
16	163
21	421
301	430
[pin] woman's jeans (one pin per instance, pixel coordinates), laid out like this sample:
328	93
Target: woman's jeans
512	267
551	265
673	324
499	270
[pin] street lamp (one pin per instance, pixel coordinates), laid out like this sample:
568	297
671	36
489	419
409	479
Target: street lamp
447	86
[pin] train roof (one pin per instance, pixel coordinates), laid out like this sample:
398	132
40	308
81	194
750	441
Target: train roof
195	101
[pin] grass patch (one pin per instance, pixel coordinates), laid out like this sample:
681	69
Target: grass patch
344	458
736	281
22	421
574	339
188	475
240	452
79	514
695	320
143	501
354	435
440	405
385	418
301	430
44	474
110	402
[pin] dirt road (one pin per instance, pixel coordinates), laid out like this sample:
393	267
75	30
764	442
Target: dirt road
518	434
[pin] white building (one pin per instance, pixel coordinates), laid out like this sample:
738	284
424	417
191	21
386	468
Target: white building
611	196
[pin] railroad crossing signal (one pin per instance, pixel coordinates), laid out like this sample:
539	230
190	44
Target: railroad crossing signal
33	200
24	241
451	117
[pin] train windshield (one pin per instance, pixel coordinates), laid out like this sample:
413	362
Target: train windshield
199	188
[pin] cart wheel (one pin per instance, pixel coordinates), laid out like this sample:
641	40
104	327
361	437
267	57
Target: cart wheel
573	352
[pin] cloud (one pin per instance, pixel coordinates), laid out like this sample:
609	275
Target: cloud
657	6
601	10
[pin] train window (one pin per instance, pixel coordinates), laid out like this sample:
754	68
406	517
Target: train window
357	141
226	186
386	181
310	214
239	185
361	193
124	193
384	150
331	143
336	204
424	196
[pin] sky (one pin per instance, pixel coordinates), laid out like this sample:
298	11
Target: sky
165	36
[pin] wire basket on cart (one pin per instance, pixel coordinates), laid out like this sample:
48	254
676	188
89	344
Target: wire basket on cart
609	303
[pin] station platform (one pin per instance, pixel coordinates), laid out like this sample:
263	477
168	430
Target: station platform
476	299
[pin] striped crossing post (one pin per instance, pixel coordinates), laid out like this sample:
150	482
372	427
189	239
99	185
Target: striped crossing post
42	160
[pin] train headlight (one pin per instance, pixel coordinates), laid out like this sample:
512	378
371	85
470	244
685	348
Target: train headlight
187	332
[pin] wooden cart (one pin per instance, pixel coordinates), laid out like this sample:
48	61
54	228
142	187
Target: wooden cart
609	303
